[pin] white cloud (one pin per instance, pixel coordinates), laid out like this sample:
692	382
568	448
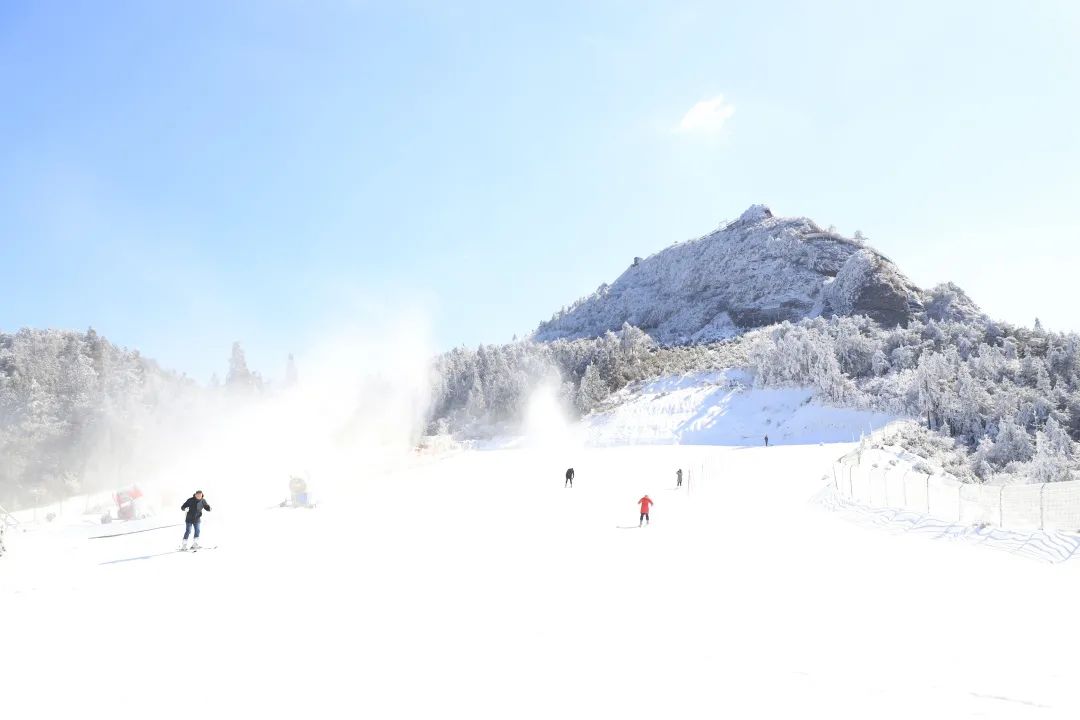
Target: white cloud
708	116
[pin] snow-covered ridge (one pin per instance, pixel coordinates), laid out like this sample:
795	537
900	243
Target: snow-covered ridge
755	271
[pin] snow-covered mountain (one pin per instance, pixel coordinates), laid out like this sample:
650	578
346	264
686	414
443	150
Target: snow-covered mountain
755	271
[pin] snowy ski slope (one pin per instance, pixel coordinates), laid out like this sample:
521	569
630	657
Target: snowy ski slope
477	586
723	408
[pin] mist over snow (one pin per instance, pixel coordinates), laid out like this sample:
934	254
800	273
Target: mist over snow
359	397
549	425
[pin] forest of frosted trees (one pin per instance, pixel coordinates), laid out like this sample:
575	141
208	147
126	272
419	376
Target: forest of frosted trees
76	411
65	397
486	390
994	403
998	402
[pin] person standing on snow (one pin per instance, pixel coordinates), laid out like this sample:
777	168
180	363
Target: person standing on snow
678	478
194	506
645	503
766	441
569	478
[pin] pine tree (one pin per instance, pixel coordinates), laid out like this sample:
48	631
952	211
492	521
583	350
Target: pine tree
1053	454
592	391
1012	444
239	378
476	405
932	382
981	460
1073	408
879	364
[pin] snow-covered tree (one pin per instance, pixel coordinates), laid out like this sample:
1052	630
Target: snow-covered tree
1072	409
990	385
68	399
879	363
1053	459
1012	444
239	379
592	391
933	378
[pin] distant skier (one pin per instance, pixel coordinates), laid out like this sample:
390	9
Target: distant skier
194	506
645	503
569	478
766	441
678	478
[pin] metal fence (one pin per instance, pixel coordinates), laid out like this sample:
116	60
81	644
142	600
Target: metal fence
7	519
1043	506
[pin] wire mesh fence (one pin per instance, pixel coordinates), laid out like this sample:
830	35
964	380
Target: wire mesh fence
1042	506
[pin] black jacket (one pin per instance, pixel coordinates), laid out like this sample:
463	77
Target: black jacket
194	508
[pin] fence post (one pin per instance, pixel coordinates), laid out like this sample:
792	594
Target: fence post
903	486
928	494
1042	507
1001	507
835	485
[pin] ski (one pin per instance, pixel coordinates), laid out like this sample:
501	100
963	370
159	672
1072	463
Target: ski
132	532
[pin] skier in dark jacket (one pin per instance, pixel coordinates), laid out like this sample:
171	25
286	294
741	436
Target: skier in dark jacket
194	506
569	477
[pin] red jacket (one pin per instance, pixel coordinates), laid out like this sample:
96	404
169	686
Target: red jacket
645	504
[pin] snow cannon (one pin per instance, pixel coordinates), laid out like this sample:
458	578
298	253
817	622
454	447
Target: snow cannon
127	505
298	493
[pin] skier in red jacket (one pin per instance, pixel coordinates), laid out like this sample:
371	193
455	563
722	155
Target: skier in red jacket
645	503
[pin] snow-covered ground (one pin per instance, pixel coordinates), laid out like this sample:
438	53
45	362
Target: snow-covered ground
722	408
477	586
473	584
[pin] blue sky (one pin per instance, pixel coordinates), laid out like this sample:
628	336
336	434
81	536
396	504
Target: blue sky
181	175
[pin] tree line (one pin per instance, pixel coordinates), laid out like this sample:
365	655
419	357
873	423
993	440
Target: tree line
76	411
1002	402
